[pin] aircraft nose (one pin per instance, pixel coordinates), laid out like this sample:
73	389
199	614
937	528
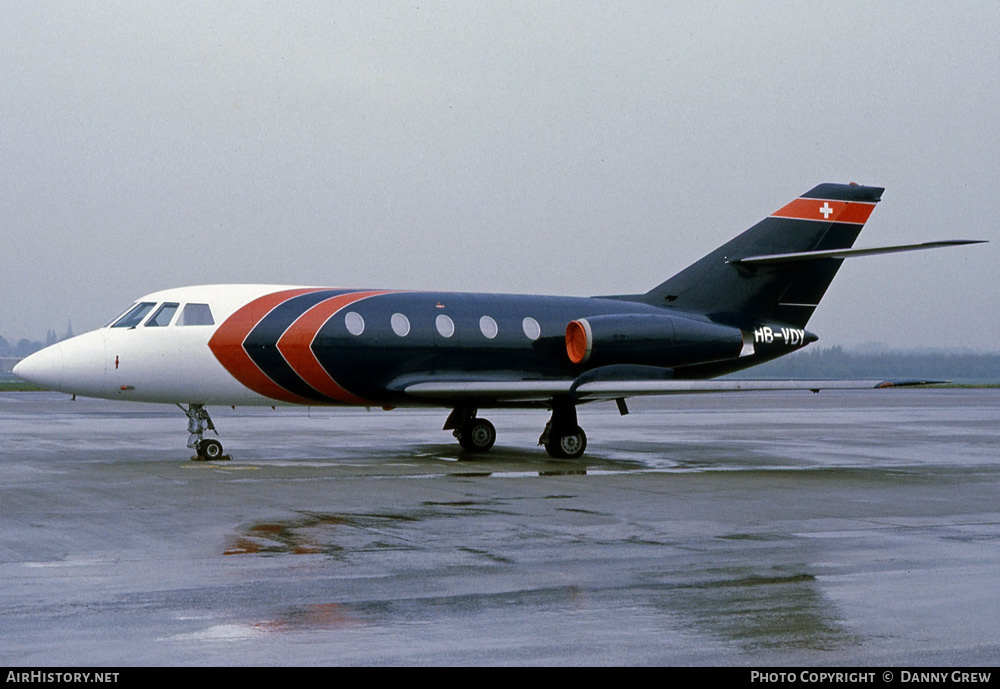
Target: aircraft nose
43	368
75	365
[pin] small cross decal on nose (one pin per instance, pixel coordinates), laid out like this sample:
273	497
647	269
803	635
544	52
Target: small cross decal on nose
826	210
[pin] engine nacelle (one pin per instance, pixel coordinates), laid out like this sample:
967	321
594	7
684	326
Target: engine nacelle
651	340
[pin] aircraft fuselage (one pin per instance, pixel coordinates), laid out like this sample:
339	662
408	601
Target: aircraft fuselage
321	346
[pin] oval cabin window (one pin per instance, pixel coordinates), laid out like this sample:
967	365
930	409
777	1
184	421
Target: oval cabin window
531	328
445	326
400	324
488	327
355	323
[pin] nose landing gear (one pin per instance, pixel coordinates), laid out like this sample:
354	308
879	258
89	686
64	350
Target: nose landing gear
208	450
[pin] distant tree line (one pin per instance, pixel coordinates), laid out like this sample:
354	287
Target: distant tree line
24	346
836	362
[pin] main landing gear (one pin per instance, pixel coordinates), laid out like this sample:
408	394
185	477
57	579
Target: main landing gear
562	437
474	434
207	449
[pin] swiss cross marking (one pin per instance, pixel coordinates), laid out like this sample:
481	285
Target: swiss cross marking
826	210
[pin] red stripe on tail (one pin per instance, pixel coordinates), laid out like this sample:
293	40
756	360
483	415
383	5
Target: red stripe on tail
826	211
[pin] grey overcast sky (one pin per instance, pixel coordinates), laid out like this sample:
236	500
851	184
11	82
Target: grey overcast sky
551	147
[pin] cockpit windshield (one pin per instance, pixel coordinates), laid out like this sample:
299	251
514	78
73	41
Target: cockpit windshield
115	319
190	314
163	315
134	316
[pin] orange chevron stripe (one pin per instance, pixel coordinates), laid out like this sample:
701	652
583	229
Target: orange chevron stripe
227	345
295	346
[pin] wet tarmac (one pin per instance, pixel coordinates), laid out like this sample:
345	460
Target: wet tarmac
782	528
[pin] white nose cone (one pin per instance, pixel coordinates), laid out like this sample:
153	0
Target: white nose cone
76	366
44	368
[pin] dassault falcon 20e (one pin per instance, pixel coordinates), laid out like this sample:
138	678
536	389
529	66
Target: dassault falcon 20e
745	303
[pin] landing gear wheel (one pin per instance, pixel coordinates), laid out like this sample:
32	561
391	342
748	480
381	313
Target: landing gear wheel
198	422
210	450
477	435
569	444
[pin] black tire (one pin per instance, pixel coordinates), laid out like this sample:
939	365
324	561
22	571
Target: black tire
210	450
567	445
477	435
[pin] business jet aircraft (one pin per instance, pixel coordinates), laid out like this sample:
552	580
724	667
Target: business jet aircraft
745	303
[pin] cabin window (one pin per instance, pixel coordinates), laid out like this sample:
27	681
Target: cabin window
445	326
531	328
163	315
488	327
400	324
354	322
134	315
196	314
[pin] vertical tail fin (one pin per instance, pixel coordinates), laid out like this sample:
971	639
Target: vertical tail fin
829	216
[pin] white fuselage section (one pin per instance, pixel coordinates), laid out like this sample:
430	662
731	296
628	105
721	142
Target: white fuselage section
150	364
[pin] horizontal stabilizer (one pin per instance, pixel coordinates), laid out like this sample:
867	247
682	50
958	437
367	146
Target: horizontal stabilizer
773	259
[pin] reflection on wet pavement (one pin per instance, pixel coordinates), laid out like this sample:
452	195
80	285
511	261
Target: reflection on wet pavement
781	608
